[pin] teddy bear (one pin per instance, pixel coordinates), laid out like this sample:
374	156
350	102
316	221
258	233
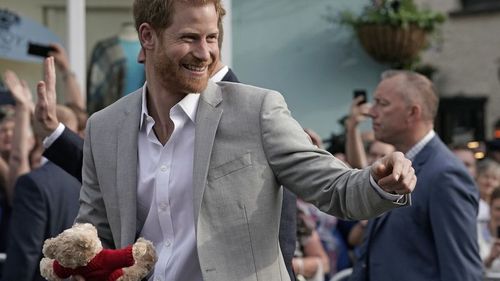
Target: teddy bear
78	251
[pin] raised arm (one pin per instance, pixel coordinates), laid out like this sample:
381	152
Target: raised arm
72	94
45	109
66	150
354	148
19	155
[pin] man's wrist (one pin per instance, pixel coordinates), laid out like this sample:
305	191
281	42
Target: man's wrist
22	105
53	135
351	123
53	126
67	74
396	198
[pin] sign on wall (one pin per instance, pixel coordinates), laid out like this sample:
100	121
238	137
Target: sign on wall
17	32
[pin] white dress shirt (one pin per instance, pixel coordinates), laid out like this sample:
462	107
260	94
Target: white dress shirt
412	153
50	139
165	192
217	77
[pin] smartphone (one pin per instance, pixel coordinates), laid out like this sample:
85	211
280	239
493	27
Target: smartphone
39	50
498	231
360	93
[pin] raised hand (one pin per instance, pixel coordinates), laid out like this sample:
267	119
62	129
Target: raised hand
494	253
394	174
60	58
19	89
45	109
358	112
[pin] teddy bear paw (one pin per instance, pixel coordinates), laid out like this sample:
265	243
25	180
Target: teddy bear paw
144	253
47	270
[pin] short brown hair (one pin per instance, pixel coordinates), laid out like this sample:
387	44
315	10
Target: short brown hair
159	13
418	89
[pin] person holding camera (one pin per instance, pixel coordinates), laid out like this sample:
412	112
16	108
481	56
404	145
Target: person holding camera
436	238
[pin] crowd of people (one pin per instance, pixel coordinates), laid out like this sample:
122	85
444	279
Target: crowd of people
227	185
39	199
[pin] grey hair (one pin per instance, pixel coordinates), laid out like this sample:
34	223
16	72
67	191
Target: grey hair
416	88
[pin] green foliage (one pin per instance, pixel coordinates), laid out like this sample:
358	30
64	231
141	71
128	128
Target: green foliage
400	13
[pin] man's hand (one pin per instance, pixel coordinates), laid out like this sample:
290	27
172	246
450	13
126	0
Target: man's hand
315	138
60	58
394	174
494	253
358	112
45	109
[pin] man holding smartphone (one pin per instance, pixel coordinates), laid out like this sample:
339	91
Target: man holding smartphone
436	238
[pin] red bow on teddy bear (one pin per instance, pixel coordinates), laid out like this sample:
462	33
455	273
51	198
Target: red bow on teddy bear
107	265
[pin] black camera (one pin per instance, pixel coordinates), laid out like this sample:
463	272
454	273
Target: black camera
39	50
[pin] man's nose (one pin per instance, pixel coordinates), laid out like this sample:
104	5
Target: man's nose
202	51
372	112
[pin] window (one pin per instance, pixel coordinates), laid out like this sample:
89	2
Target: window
480	4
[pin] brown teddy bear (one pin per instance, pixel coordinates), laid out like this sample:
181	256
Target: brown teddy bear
78	251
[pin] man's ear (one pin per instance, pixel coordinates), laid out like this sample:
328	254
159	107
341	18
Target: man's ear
147	36
415	112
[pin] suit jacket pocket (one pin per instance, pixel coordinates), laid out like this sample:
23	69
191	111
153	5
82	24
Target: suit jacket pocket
232	166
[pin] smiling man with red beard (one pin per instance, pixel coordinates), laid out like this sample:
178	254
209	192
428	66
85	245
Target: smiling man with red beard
197	167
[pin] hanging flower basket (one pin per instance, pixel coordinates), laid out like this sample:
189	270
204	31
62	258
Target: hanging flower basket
392	44
393	31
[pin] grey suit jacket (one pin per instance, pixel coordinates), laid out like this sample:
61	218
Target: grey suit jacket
246	146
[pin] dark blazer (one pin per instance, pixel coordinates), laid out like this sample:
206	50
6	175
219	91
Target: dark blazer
4	222
230	77
67	152
288	221
45	204
433	239
4	226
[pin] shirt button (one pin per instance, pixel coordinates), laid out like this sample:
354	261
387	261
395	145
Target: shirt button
163	206
167	244
163	168
157	279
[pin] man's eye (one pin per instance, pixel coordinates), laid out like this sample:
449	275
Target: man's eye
188	38
381	103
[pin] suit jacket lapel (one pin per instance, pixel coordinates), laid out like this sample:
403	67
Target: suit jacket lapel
207	120
417	164
424	154
126	170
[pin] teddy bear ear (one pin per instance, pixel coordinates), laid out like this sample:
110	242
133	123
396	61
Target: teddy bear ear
89	227
49	248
